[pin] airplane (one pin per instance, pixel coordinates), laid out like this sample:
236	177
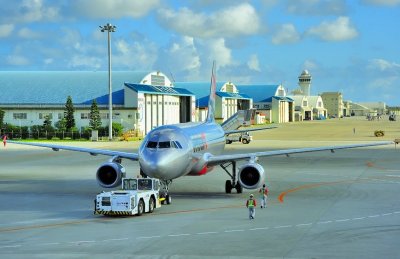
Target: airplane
193	148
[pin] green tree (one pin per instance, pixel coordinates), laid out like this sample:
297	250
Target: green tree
61	125
2	113
69	114
95	119
47	122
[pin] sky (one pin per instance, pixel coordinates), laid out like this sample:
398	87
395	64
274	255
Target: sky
347	46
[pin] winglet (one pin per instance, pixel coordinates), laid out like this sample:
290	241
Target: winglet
211	100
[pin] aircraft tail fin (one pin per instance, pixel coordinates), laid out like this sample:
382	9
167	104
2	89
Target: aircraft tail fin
211	100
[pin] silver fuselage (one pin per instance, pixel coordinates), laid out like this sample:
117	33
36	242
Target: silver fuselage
171	151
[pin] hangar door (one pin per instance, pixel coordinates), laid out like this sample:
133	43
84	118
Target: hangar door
184	109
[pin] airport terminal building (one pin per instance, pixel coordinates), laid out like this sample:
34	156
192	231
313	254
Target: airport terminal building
141	100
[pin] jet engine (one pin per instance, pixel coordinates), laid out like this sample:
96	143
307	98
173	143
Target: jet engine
251	175
110	174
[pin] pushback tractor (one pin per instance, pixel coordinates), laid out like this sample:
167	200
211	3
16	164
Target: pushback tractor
138	196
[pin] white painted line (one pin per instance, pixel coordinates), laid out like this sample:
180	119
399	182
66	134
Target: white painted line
259	228
50	244
387	214
374	216
286	226
234	230
391	175
325	222
342	220
115	239
10	246
359	218
304	224
206	233
179	235
82	242
148	237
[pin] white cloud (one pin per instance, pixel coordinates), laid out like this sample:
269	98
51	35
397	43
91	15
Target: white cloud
28	11
48	61
136	55
310	65
286	33
338	30
253	63
231	22
317	7
383	65
5	30
17	60
84	61
382	2
114	9
215	49
27	33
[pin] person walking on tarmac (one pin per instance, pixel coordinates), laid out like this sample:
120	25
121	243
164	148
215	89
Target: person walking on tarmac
251	205
4	140
263	196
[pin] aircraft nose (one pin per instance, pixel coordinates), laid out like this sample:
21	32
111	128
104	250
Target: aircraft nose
157	166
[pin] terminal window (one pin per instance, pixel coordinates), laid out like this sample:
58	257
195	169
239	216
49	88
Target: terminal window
20	116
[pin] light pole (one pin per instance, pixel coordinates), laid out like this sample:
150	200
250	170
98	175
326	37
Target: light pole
109	28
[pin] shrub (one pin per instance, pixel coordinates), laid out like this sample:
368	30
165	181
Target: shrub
379	133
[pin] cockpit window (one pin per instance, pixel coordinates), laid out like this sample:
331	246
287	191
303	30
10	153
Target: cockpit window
164	144
178	144
151	144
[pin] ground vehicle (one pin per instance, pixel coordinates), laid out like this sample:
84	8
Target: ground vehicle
138	195
244	137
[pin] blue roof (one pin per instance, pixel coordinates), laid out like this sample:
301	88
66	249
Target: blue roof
158	89
118	98
258	92
53	87
268	100
200	89
202	102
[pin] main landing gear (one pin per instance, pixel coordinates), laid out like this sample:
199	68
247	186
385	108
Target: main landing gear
230	184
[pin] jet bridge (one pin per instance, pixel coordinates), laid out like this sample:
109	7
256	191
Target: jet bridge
239	119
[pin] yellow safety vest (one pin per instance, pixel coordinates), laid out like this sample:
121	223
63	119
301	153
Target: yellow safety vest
250	203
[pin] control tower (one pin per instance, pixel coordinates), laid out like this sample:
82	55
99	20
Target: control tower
305	82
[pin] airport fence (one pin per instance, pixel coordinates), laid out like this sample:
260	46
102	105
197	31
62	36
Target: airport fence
53	135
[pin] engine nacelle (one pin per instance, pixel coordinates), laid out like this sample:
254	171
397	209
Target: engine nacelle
110	174
251	175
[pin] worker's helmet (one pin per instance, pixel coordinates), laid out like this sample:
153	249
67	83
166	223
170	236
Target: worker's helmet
264	185
251	195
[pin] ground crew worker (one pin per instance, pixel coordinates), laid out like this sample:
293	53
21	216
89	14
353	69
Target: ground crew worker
251	205
263	196
4	140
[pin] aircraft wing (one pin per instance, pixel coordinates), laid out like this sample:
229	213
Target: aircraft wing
246	130
217	160
91	151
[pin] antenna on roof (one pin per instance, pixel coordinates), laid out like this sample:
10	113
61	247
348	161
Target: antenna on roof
172	76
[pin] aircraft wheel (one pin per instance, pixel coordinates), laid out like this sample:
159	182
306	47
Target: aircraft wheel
245	141
228	186
229	142
168	199
140	207
238	188
152	204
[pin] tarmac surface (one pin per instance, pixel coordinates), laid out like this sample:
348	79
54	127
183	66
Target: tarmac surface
321	205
